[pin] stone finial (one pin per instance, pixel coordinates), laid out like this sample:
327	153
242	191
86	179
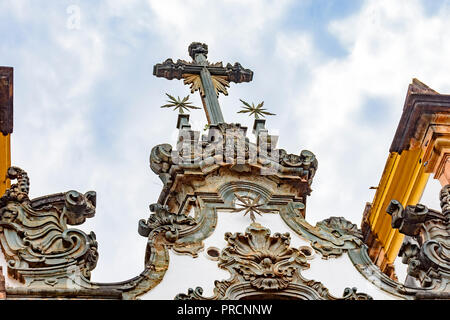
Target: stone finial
198	48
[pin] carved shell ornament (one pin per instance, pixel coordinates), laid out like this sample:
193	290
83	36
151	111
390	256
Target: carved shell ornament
267	262
262	264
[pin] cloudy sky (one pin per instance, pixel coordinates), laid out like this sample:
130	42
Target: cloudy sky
86	108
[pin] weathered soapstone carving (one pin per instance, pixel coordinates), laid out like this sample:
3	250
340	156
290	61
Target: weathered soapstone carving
39	247
54	261
201	175
263	265
335	231
427	249
331	237
170	225
226	147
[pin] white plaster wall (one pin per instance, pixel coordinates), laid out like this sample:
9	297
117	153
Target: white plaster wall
186	272
339	273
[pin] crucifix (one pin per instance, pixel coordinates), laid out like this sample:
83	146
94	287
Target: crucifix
208	78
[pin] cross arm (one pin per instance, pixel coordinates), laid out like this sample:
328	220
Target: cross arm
238	74
170	70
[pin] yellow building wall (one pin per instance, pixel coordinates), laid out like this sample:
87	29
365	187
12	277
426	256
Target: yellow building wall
5	161
404	179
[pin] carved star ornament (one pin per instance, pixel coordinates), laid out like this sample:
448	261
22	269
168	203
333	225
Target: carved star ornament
250	206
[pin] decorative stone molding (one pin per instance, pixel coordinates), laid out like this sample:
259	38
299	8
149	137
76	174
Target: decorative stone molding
165	230
361	260
331	237
265	266
227	147
196	219
161	161
167	224
54	261
266	262
339	226
219	171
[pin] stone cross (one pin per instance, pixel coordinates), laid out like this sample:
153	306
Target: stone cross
209	79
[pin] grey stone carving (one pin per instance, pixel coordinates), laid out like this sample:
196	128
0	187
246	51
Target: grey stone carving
221	170
39	247
54	261
331	237
427	249
265	266
226	147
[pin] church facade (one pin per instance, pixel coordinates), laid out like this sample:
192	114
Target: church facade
231	221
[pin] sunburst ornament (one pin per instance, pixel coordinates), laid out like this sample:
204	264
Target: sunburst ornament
180	104
251	206
220	84
257	111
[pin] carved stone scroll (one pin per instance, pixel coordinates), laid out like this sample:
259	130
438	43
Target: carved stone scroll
165	223
331	237
39	247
